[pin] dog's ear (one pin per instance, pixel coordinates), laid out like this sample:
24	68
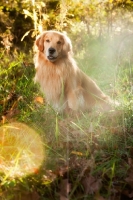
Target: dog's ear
40	41
67	47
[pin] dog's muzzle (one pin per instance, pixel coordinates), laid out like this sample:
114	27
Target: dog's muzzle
52	54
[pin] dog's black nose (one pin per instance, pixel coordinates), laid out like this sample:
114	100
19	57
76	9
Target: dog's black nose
51	50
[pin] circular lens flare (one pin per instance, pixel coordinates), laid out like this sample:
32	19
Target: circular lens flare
21	150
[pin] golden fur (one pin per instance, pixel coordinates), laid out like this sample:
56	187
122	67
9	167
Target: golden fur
65	86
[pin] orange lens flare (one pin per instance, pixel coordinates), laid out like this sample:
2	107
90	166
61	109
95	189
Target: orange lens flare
21	150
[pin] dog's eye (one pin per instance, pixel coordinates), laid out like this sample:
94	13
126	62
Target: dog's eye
59	42
48	40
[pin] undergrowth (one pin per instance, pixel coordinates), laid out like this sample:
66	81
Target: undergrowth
91	154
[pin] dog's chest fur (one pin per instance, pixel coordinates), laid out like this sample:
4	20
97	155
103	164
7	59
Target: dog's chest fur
52	79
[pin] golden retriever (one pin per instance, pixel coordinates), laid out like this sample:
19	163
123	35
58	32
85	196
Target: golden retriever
65	86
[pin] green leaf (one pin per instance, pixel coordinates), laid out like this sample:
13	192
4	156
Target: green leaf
25	35
27	13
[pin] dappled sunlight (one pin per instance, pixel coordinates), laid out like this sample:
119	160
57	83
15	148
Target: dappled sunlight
21	150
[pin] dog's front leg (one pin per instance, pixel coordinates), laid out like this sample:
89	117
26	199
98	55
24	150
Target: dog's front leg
76	99
72	100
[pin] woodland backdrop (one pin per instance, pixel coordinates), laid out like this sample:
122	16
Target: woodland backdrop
22	20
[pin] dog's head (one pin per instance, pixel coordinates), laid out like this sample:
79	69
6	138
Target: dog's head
54	45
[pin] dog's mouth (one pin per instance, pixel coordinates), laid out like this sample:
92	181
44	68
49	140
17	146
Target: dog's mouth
51	58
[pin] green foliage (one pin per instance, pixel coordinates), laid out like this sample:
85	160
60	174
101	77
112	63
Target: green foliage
98	19
17	72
